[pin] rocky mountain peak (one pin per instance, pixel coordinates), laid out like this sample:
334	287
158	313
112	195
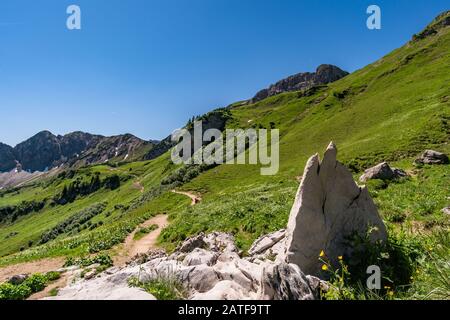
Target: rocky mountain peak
45	150
324	74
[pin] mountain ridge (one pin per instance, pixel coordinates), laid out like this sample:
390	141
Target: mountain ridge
46	150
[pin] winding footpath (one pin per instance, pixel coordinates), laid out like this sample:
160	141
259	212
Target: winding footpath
195	199
125	252
132	247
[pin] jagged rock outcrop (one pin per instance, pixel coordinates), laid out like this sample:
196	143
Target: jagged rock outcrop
7	158
432	157
329	207
382	171
285	282
120	148
440	22
45	150
209	267
324	74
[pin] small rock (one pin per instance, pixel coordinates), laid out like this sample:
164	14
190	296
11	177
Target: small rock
192	243
432	157
266	242
284	282
200	256
200	278
382	171
446	210
223	290
18	279
90	274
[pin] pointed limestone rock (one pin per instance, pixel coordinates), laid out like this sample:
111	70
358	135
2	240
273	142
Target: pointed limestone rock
329	207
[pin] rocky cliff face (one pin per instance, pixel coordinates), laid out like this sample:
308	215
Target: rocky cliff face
45	150
39	152
121	148
7	158
324	74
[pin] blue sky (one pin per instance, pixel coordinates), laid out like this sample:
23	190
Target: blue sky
145	67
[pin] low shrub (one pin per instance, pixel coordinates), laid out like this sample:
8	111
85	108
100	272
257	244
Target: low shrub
35	283
101	259
161	287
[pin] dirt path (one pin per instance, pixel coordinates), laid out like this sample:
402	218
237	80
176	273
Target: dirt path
138	185
40	266
195	199
132	247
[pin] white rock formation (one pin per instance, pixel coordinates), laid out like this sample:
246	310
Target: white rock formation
328	208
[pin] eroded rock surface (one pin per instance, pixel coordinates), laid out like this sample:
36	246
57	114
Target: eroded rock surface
382	171
433	157
329	208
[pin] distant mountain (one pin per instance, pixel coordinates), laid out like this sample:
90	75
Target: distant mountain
324	74
125	147
46	150
7	157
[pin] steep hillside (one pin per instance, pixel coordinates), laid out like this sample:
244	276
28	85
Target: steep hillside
7	158
390	110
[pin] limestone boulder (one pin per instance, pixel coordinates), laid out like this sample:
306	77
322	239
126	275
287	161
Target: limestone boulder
329	207
266	242
382	171
433	157
284	282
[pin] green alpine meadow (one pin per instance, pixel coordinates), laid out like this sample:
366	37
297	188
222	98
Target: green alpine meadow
82	207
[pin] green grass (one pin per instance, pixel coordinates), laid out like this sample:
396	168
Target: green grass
34	283
162	288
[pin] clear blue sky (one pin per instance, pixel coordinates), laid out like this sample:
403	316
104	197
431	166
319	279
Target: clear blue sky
145	67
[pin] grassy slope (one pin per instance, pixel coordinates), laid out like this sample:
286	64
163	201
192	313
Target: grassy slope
390	110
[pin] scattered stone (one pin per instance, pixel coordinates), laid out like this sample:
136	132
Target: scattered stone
382	171
18	279
285	282
190	244
329	207
90	274
432	157
446	210
200	256
265	242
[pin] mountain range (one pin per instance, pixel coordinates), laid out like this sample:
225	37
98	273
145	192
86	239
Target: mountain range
45	150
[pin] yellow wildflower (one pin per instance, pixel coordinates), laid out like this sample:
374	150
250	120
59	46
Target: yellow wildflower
324	267
340	258
322	254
